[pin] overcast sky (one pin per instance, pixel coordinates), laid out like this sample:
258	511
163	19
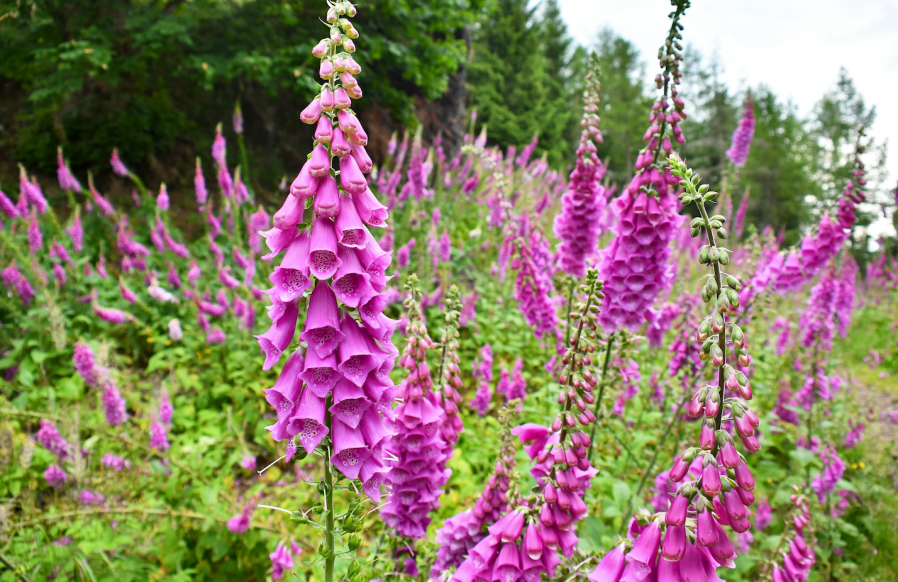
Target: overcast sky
796	47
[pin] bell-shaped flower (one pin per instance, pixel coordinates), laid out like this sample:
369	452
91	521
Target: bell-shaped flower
322	328
340	146
705	532
674	545
610	568
305	185
355	357
692	568
351	177
351	282
308	430
508	564
285	392
276	239
327	202
362	158
351	232
370	307
535	434
320	374
483	553
290	214
324	130
327	100
373	430
384	329
723	551
371	211
350	450
509	528
645	550
375	260
320	162
291	278
350	403
372	477
279	335
323	260
312	112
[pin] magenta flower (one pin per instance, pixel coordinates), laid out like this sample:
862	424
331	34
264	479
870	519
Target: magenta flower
113	403
55	476
216	336
115	462
66	180
281	561
738	151
118	167
199	185
240	522
49	437
578	226
158	436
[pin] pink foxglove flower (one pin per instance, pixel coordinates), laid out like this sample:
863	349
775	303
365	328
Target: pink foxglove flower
55	477
162	201
415	485
578	226
158	436
281	561
118	167
738	151
66	180
49	437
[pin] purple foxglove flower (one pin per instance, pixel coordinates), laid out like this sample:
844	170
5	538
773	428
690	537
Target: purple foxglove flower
7	206
674	546
199	185
113	403
362	159
722	552
356	359
158	436
290	214
706	533
351	232
372	212
351	177
645	550
118	167
320	163
350	403
127	294
56	477
339	144
482	398
114	462
323	260
312	113
376	261
281	561
112	315
248	462
327	202
324	132
320	373
351	282
219	148
738	152
216	336
322	328
350	449
610	568
66	180
165	409
49	437
711	479
228	280
85	364
35	238
240	522
59	274
89	498
284	395
279	335
278	239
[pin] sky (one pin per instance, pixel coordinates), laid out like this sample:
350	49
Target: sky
796	47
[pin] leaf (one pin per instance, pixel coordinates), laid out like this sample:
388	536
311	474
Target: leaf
621	493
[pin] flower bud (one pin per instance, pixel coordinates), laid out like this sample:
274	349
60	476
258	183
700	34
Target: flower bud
712	404
744	478
706	439
705	531
326	69
320	49
729	456
716	356
676	513
335	36
327	99
751	443
324	130
348	45
341	99
710	479
312	112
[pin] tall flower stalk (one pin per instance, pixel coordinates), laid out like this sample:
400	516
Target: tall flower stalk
334	390
635	264
694	542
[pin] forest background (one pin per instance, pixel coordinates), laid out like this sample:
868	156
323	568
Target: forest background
154	79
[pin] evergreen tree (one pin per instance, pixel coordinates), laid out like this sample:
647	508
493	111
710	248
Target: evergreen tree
509	86
623	107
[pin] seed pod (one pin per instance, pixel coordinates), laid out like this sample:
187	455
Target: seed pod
734	283
722	233
724	257
703	256
713	255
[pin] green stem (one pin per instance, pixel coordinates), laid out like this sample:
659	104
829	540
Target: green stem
12	568
570	304
592	432
329	508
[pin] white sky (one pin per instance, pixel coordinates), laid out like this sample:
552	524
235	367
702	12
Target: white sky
796	47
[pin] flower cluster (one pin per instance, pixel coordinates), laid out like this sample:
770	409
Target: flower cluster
690	534
48	435
738	151
527	540
339	385
578	225
634	265
462	532
97	376
450	380
421	452
800	558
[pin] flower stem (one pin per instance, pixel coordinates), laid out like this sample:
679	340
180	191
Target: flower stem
567	318
329	519
592	432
